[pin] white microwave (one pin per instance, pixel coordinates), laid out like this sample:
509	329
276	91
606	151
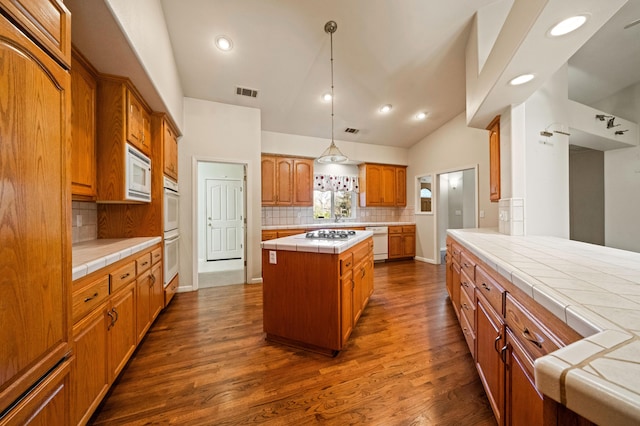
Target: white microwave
138	176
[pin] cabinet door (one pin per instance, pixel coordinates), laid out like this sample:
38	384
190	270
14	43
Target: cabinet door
388	186
170	152
401	186
372	194
395	246
409	244
449	276
455	289
346	301
358	284
122	329
90	368
143	304
35	309
489	344
302	182
269	181
138	124
83	131
524	404
157	291
284	181
494	159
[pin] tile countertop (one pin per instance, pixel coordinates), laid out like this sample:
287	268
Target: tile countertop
333	225
89	256
301	243
596	291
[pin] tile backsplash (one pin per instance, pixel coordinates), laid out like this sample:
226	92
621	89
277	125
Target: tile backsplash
84	221
285	216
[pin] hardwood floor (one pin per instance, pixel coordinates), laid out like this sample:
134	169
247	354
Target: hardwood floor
205	362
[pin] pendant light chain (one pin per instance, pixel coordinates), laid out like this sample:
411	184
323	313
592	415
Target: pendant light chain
331	38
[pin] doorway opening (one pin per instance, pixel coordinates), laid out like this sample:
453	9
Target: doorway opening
457	203
221	224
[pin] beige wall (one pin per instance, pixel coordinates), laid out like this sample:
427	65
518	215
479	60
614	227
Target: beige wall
225	133
453	146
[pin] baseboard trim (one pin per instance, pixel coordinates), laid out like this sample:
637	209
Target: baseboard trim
425	260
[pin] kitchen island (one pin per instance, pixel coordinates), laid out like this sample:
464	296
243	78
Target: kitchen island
315	289
592	290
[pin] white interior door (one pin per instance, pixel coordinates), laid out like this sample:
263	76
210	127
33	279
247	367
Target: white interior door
225	219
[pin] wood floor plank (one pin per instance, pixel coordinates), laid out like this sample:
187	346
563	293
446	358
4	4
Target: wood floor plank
205	362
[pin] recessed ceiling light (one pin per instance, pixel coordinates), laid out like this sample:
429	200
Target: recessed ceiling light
568	25
224	43
385	108
421	115
326	97
521	79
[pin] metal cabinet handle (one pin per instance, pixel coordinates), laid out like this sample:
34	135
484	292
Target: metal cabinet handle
122	277
503	354
112	320
152	278
485	286
536	340
117	315
464	283
495	343
91	297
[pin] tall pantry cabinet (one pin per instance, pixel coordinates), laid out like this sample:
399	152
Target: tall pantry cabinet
35	212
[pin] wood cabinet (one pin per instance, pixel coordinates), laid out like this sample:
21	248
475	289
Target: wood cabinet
511	331
402	241
35	297
382	185
46	21
494	159
110	320
121	114
84	91
165	130
319	315
287	181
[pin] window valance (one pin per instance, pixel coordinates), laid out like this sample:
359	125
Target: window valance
335	183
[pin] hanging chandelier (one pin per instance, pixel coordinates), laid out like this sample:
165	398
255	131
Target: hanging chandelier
332	154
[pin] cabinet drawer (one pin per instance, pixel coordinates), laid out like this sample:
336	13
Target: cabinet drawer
468	265
122	276
466	284
86	299
395	229
490	289
469	335
468	309
143	263
346	263
361	252
408	229
535	340
455	252
170	290
156	255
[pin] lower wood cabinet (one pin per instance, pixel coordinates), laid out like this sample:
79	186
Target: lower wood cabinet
402	241
511	331
109	323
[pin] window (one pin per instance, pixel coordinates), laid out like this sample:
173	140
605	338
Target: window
334	205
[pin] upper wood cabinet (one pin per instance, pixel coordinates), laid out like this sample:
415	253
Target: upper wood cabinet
35	293
47	21
117	98
494	159
287	181
84	92
138	123
383	185
165	144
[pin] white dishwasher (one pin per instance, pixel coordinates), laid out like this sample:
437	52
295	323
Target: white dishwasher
380	242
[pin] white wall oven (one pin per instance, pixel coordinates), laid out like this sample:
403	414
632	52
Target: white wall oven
171	231
138	175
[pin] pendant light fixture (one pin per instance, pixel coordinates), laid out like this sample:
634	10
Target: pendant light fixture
332	154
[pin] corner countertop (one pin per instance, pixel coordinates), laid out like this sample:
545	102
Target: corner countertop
89	256
596	291
301	243
333	225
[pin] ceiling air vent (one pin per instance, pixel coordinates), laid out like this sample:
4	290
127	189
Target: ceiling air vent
243	91
351	130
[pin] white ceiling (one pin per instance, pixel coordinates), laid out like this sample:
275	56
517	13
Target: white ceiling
409	54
